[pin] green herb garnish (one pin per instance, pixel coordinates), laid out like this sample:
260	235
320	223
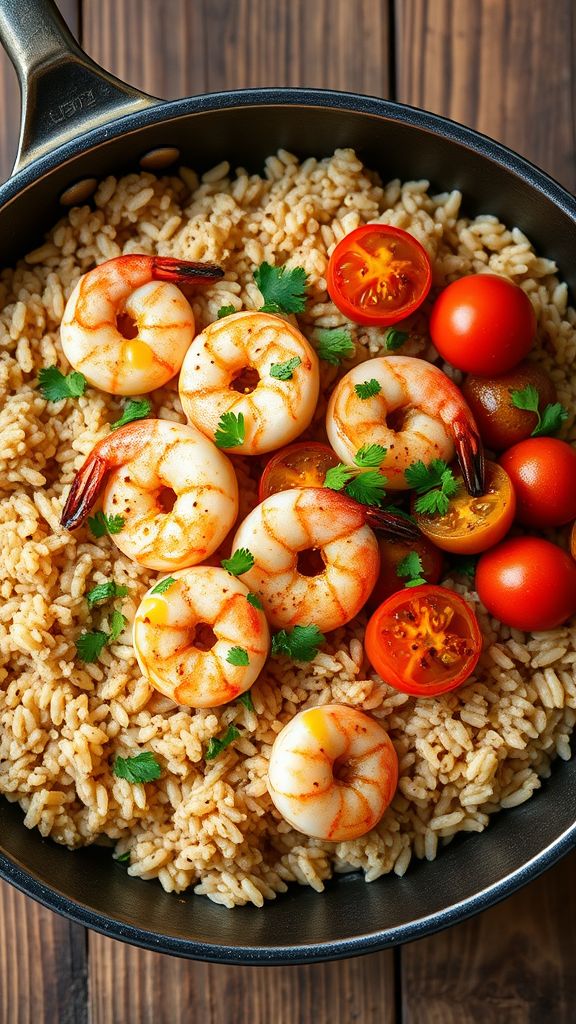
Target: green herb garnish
225	311
367	487
124	858
216	746
246	700
255	601
300	643
552	417
334	344
412	568
135	409
370	456
434	483
284	371
394	339
100	524
163	585
240	561
141	768
238	656
283	288
105	591
230	431
55	385
368	389
89	646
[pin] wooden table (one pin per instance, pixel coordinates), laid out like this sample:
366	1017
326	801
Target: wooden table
505	67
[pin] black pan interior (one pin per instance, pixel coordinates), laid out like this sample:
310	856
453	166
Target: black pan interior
471	872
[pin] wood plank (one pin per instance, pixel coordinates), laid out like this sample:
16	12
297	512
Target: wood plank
512	964
211	45
43	974
10	95
502	66
137	987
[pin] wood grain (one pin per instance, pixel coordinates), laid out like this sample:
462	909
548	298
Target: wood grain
43	974
512	965
505	67
10	95
136	987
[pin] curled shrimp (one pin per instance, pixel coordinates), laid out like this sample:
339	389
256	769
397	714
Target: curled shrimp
176	493
200	642
232	366
126	327
315	558
418	413
333	772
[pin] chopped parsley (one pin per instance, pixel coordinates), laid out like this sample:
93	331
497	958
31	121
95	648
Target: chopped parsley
394	339
283	289
123	858
334	344
434	483
163	585
551	418
246	700
105	591
225	311
367	487
370	456
100	524
230	431
239	562
135	409
255	601
238	656
55	385
89	646
117	624
300	643
368	389
412	569
216	746
141	768
284	371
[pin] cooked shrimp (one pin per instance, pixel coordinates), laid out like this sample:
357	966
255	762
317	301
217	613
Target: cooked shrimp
418	413
333	771
192	639
230	367
315	559
126	327
176	493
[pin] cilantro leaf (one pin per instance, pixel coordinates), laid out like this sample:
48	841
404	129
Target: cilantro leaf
163	585
216	746
246	700
124	858
300	643
141	768
338	476
55	385
397	511
549	421
255	601
230	431
225	311
465	565
89	646
368	488
238	656
334	344
117	624
434	483
432	503
284	371
240	562
135	409
100	524
394	339
368	389
370	456
412	568
283	288
104	591
423	477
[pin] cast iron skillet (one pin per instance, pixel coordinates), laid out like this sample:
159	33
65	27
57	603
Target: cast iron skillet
79	122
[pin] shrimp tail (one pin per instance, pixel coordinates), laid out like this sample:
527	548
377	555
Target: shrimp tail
167	268
470	455
391	523
84	491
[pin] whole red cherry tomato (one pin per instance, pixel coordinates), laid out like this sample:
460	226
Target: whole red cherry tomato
543	475
527	583
483	324
378	275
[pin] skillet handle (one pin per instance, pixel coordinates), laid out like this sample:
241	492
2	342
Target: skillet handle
64	92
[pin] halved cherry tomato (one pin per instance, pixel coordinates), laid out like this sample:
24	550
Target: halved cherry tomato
424	640
528	583
378	275
304	464
472	524
392	553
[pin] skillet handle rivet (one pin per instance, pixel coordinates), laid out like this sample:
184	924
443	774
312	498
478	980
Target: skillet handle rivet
78	192
157	159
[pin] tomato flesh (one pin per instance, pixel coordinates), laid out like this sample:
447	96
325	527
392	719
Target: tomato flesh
378	274
304	464
424	640
472	525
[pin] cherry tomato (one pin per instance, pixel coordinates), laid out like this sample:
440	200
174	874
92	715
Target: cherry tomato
472	524
424	640
304	464
500	423
483	324
392	553
543	474
527	583
378	275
